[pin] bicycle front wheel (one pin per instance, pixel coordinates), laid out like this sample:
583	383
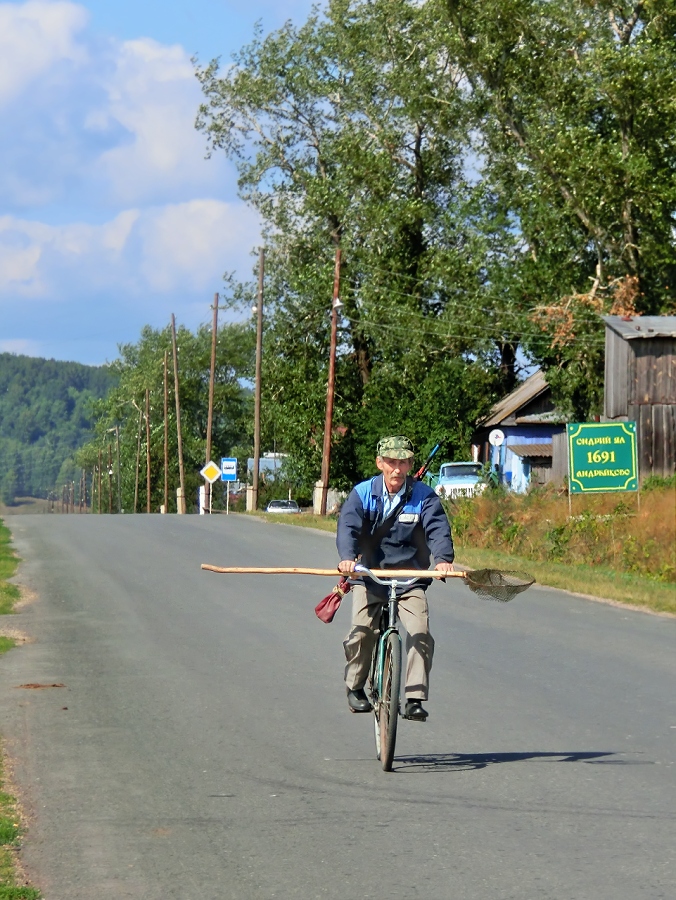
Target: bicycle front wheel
389	700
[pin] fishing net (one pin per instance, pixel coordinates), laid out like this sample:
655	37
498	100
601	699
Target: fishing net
494	584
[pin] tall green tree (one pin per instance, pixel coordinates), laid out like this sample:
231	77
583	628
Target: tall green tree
575	119
350	132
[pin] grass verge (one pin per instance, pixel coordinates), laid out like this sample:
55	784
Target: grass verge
594	581
582	579
10	834
303	520
9	593
10	829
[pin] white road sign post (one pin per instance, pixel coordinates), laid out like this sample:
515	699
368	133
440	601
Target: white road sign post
211	473
228	473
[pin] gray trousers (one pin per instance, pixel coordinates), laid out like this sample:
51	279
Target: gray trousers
360	641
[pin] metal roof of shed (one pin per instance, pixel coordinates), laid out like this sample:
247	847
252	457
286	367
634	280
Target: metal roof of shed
544	449
528	390
633	327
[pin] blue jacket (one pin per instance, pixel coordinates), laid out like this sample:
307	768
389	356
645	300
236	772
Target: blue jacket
421	529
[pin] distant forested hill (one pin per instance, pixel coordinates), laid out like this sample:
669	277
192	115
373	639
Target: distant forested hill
44	417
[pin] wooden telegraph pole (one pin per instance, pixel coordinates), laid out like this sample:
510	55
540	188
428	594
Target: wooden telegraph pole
180	504
166	436
110	478
212	378
259	359
98	491
147	450
138	457
119	473
328	422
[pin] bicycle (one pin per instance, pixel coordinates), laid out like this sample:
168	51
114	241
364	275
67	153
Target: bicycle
385	673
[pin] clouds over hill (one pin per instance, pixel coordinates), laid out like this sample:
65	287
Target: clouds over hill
111	210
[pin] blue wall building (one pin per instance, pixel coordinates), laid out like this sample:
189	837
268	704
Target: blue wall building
534	448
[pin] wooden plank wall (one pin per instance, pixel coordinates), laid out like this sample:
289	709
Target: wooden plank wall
559	457
656	438
652	371
641	386
617	375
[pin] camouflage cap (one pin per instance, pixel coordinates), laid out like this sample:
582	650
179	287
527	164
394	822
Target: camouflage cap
396	447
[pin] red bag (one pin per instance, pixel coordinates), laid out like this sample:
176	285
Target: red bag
328	607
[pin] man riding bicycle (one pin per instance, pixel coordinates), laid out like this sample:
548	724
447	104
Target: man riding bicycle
392	521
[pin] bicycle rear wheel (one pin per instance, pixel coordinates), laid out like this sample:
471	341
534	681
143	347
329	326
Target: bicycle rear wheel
388	711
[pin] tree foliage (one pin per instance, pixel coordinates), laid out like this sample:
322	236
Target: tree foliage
45	414
496	174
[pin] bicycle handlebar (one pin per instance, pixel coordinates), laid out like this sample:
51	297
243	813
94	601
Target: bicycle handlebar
385	582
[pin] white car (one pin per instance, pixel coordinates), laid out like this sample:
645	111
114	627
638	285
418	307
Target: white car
282	506
459	479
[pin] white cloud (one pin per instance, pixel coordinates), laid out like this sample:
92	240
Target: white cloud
112	215
153	95
33	37
21	346
162	250
91	118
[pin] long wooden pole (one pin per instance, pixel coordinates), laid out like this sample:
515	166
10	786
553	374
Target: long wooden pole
330	388
98	491
281	570
166	436
110	478
212	379
119	473
147	450
259	360
181	473
138	458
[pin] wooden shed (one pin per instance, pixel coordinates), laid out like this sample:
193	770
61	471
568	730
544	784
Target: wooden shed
640	385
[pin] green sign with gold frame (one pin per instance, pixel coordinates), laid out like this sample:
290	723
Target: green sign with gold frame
602	457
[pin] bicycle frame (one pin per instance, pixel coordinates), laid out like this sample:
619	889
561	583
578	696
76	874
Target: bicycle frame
389	619
385	695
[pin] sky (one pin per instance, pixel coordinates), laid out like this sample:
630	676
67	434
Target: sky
110	216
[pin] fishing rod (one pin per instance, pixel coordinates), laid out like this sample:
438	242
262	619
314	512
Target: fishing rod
422	471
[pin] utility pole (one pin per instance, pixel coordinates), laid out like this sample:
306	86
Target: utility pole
98	492
328	422
119	476
259	359
212	378
180	504
147	450
166	436
138	457
110	478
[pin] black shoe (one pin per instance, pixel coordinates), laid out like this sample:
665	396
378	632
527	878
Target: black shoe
358	701
414	710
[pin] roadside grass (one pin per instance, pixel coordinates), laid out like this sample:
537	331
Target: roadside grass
10	835
10	829
9	593
581	578
304	520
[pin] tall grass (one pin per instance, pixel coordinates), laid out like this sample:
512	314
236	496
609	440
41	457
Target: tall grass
607	530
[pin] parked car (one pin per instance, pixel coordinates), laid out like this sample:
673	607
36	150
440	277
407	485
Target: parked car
459	479
282	506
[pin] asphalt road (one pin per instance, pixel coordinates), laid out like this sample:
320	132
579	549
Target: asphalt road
207	753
